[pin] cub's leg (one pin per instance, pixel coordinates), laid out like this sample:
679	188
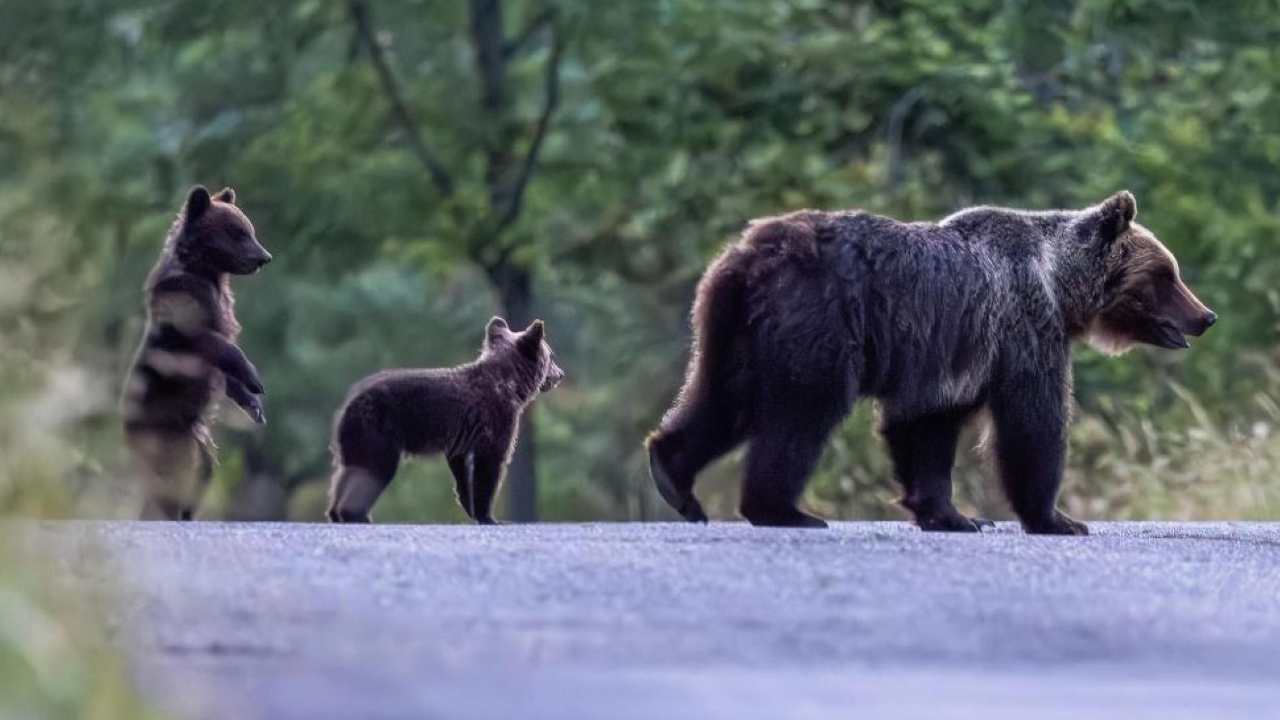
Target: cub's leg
230	359
923	451
203	474
1030	415
696	433
352	494
486	476
463	467
366	463
250	403
168	464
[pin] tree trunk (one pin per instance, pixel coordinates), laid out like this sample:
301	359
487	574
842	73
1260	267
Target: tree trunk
513	283
515	292
261	494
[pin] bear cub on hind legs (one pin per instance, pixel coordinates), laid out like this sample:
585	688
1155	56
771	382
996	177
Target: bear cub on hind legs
468	413
188	358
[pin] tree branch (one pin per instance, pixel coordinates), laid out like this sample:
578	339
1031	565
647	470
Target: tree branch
513	47
439	176
551	98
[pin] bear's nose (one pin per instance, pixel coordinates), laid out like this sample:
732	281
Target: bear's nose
266	257
1209	319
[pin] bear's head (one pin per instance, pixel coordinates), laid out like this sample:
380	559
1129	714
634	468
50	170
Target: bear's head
529	347
1144	299
215	237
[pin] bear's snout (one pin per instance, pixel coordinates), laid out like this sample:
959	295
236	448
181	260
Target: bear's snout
1202	323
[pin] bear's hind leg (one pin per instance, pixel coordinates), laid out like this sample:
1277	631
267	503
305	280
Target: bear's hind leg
923	451
204	474
780	459
353	493
170	466
695	434
365	463
681	450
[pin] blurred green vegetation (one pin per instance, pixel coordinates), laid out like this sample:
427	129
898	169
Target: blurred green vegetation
380	148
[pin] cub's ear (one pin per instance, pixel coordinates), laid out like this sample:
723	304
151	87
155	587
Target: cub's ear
1118	211
226	195
532	336
198	202
496	328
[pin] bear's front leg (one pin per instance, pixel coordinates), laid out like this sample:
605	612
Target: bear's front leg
1030	414
486	476
250	403
463	467
923	451
230	359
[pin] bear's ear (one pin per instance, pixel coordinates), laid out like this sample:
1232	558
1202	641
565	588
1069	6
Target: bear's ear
531	338
496	329
198	202
226	195
1118	212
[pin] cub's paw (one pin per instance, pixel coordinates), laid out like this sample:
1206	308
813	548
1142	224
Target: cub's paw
1059	524
252	380
254	383
253	408
488	521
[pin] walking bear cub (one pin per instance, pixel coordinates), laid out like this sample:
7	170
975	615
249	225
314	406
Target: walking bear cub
188	357
810	311
469	414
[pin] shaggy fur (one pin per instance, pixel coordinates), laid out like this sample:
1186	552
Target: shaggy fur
469	413
810	311
188	356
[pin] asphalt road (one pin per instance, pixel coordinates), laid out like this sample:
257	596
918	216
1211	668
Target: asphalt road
673	621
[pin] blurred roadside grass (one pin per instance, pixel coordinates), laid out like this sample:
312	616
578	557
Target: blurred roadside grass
56	660
1123	463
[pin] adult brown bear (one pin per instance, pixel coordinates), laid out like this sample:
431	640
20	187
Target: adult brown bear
810	311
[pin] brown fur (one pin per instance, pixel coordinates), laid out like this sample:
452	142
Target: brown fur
939	322
188	357
469	413
1147	300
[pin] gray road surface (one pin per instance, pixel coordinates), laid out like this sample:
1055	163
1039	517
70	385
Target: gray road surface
1150	620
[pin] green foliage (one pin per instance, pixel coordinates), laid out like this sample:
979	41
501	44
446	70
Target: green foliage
677	121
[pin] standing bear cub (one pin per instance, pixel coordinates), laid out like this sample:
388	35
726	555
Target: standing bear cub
810	311
188	357
469	413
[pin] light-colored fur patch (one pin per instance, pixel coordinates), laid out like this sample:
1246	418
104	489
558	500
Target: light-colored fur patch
1044	266
985	426
177	364
963	388
1106	341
